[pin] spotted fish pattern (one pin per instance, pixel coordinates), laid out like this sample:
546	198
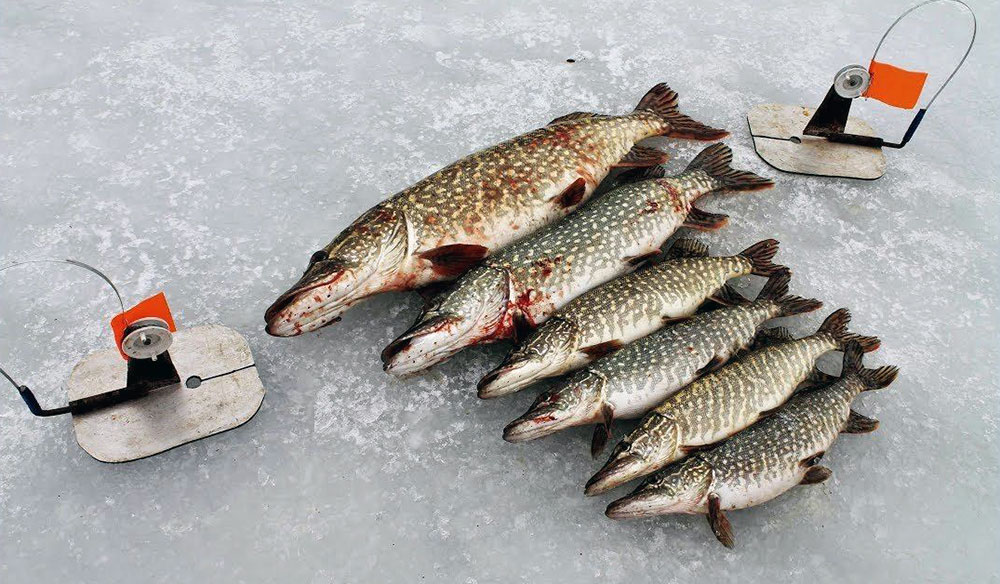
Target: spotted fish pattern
522	285
722	403
634	380
445	223
612	315
766	460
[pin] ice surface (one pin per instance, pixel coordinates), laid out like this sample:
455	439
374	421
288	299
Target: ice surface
208	148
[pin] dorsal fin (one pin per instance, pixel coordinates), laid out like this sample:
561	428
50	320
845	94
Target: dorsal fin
640	174
687	248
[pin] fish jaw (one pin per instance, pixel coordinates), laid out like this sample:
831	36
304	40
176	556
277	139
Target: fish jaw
367	258
647	449
473	312
575	402
318	299
544	354
682	489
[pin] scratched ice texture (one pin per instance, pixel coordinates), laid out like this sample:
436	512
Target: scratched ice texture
207	148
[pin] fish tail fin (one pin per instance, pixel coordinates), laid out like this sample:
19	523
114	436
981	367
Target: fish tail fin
662	101
871	378
835	325
715	161
760	255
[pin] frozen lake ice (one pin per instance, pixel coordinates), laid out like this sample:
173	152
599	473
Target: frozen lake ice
208	148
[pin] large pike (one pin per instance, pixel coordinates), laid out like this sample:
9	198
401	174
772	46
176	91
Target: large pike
439	227
634	380
722	403
611	316
764	461
520	286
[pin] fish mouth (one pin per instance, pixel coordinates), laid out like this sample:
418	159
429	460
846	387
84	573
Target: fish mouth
536	424
319	299
618	471
642	503
427	343
311	306
543	419
511	377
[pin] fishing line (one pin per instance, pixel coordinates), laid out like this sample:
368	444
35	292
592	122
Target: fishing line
76	263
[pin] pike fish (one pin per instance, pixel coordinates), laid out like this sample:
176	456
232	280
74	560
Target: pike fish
764	461
520	286
634	380
609	317
438	228
722	403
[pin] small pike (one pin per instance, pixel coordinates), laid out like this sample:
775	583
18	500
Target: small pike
722	403
634	380
444	224
764	461
523	284
609	317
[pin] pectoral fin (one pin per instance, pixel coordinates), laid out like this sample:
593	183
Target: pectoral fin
717	520
705	221
522	326
711	366
858	424
816	475
453	260
602	432
642	258
573	194
602	349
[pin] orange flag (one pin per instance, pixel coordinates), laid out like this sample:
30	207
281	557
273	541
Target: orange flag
894	86
154	306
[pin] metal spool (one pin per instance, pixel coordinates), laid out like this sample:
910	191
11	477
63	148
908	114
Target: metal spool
852	81
147	338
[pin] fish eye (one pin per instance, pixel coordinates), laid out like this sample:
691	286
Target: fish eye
318	257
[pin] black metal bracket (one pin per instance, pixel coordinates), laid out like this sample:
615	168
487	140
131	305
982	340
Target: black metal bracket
830	120
144	376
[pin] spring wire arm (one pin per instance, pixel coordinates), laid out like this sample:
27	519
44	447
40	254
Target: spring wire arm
26	394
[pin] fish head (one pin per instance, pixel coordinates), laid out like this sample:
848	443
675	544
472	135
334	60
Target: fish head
545	353
651	446
362	261
574	402
472	311
682	488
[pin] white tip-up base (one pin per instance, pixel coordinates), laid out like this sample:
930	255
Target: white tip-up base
777	138
229	393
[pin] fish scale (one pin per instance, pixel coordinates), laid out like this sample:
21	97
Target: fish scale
765	460
510	179
630	382
722	403
624	309
544	271
442	225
